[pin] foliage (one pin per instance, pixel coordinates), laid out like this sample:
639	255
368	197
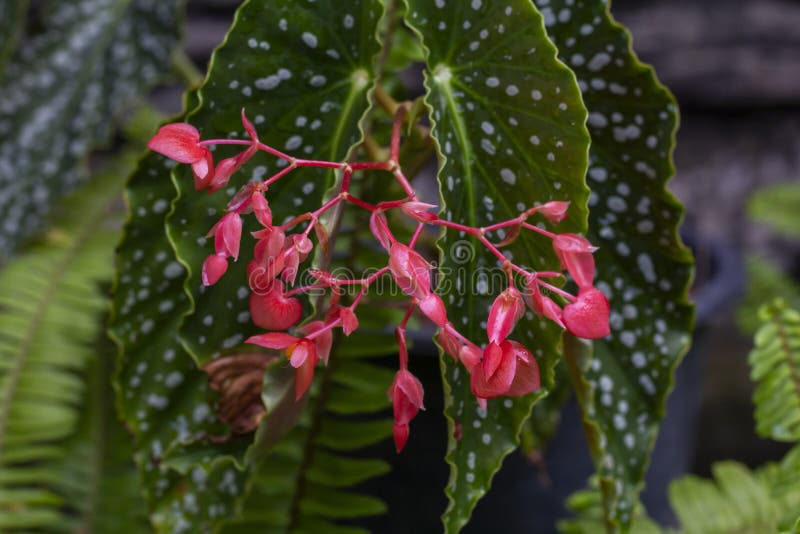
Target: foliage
776	206
765	284
508	91
64	88
775	363
51	314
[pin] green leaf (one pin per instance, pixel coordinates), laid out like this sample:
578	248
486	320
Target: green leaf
97	475
12	22
302	74
590	517
775	367
162	397
509	123
641	265
777	206
737	502
64	89
301	481
764	284
51	308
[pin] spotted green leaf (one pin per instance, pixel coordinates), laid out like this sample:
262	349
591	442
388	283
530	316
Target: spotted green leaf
509	122
162	397
775	368
63	90
302	72
641	266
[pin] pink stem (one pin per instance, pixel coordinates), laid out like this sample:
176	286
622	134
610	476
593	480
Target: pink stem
415	237
538	230
556	290
208	142
277	176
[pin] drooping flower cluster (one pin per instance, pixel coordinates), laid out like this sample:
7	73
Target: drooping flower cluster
502	367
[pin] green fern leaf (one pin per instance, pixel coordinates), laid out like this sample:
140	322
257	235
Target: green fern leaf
736	503
776	206
50	315
764	283
775	367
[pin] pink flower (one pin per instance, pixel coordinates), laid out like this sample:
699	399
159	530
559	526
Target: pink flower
526	378
587	317
349	320
419	211
542	305
272	310
213	268
323	341
492	377
410	270
506	310
575	254
303	357
555	211
227	235
506	369
380	229
433	307
180	142
302	354
406	393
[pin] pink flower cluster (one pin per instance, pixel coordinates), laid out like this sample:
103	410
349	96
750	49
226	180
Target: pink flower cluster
501	367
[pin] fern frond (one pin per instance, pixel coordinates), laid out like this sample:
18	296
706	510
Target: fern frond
775	367
51	310
305	483
764	283
737	503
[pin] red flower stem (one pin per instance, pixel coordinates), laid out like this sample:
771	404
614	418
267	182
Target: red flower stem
316	214
401	178
548	274
371	166
400	335
277	176
358	202
390	204
365	285
415	237
275	152
556	290
318	163
328	326
511	222
303	289
538	230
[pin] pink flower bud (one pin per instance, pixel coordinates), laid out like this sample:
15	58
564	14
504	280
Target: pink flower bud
493	375
274	311
555	211
506	310
587	317
203	171
249	128
400	435
406	393
575	254
260	206
419	211
542	305
433	307
410	271
349	320
380	229
223	173
213	269
470	356
303	244
227	235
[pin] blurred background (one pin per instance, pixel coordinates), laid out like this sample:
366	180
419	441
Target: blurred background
738	86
